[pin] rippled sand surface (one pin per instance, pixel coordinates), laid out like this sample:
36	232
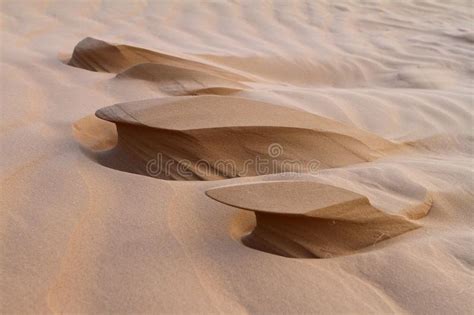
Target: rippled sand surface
263	157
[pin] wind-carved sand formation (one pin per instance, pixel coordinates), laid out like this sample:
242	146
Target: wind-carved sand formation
293	218
213	128
234	129
373	100
171	74
304	219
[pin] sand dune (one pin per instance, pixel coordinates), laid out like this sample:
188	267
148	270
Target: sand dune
97	55
262	157
221	129
180	81
312	220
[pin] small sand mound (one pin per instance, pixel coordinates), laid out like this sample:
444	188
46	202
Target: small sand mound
174	80
97	55
304	219
95	134
215	137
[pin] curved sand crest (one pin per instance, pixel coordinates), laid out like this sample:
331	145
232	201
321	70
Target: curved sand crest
80	238
305	219
97	55
174	80
222	137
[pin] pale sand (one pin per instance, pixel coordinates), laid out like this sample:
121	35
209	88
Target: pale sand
379	94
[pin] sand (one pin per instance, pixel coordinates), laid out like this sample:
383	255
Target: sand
264	157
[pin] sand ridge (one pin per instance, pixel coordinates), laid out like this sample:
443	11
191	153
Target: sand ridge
216	128
97	55
306	219
179	81
209	128
78	237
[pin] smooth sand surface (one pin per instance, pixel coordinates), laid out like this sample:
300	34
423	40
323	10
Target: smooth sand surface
109	108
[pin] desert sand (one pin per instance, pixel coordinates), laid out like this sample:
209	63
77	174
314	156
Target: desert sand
237	157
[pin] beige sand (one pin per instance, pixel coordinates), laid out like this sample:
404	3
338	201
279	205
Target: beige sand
377	96
306	219
215	128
